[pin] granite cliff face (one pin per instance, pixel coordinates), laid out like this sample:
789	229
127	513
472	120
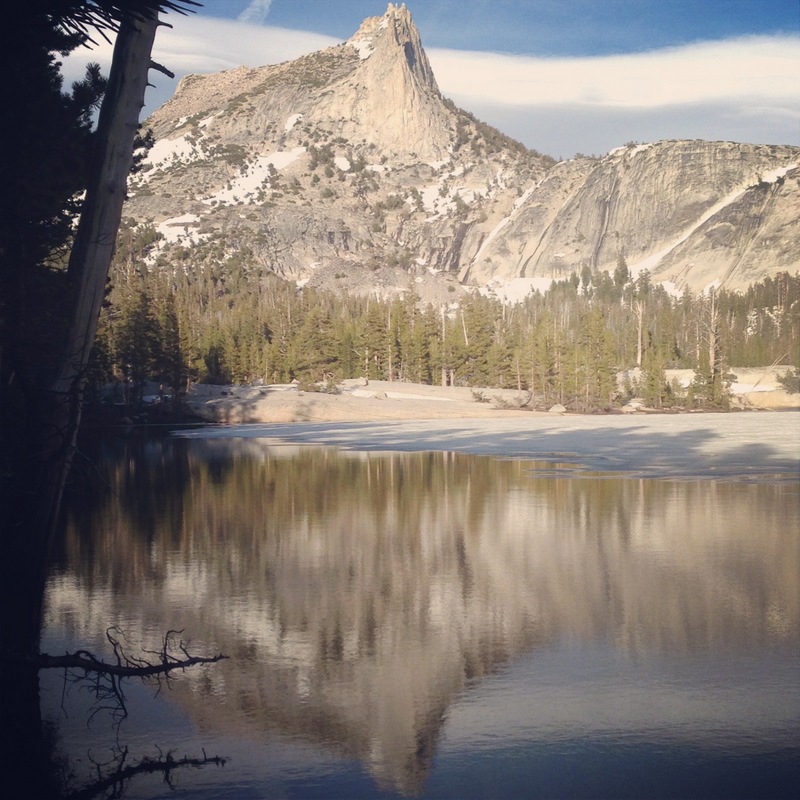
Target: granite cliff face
348	169
691	212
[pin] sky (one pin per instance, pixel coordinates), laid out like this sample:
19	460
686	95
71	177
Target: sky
561	76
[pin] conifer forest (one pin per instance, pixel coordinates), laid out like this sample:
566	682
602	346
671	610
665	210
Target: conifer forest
227	319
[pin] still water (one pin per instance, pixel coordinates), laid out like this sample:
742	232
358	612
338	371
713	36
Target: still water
433	625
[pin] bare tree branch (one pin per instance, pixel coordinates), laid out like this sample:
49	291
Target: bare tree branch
161	68
114	783
126	666
105	679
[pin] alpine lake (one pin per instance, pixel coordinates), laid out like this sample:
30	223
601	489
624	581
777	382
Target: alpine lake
429	624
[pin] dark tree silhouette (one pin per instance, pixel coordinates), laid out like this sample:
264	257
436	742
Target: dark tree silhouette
52	282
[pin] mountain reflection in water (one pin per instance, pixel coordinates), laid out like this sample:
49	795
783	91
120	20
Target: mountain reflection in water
362	598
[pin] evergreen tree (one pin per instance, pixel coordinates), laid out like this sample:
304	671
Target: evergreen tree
503	357
621	273
372	338
595	384
100	369
654	378
138	341
172	366
541	362
313	351
475	346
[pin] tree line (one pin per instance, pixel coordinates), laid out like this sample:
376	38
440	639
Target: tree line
232	321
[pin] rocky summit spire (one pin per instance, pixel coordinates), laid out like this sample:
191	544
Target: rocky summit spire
392	35
393	93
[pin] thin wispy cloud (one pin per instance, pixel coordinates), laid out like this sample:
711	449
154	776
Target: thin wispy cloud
256	13
743	69
204	44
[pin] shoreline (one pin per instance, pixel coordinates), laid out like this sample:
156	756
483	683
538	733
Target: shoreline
711	445
358	401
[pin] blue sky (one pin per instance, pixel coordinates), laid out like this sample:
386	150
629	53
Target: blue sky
562	76
535	27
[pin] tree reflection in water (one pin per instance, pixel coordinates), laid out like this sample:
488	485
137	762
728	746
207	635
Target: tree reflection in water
360	596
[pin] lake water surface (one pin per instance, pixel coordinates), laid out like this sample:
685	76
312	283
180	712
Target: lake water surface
433	624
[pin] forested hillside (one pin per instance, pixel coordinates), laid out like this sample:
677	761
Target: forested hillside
239	323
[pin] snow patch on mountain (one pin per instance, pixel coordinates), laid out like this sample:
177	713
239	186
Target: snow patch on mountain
652	261
628	150
363	47
780	172
168	151
283	158
291	122
515	290
180	230
523	198
247	187
176	228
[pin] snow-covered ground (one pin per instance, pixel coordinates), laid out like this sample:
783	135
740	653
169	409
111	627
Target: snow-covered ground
733	446
180	229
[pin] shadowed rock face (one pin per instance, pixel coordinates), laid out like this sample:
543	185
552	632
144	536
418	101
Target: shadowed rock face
349	162
360	595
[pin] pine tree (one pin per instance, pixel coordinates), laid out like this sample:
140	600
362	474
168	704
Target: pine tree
313	349
371	339
477	328
621	273
100	369
595	383
654	378
172	365
137	342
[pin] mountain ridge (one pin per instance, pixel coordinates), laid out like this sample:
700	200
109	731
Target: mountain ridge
348	169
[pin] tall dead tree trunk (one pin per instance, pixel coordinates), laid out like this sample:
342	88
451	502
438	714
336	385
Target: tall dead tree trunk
96	236
639	308
713	334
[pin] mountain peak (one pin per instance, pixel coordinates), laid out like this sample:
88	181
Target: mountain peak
393	34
